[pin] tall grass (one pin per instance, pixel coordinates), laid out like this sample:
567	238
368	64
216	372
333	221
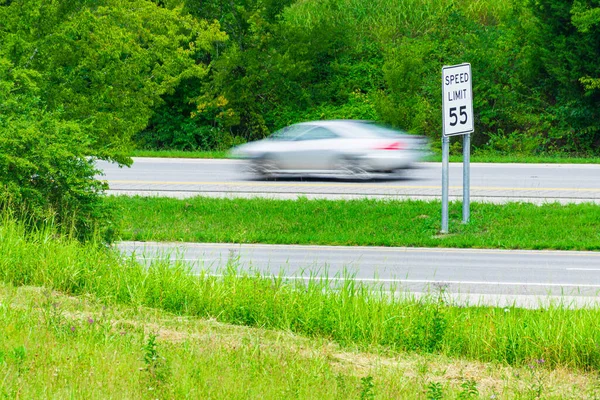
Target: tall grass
345	311
56	346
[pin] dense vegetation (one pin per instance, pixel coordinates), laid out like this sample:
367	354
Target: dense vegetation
77	80
535	67
92	79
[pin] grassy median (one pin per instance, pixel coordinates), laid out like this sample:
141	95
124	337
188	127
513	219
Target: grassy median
359	222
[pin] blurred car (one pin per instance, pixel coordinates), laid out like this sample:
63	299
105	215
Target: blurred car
339	147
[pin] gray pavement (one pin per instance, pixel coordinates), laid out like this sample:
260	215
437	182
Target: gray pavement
497	277
538	183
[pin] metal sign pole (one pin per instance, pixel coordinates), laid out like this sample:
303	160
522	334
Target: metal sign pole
466	178
445	181
457	119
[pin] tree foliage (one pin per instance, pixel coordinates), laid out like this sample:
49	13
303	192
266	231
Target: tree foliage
247	74
569	43
77	80
536	77
83	80
586	18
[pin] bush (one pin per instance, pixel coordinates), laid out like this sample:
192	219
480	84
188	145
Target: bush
77	80
46	174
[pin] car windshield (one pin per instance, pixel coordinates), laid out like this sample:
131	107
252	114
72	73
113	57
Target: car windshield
290	132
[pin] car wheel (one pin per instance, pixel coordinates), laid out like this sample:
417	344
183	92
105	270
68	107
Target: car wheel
265	166
351	167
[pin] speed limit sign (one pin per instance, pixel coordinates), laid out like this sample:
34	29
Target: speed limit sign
457	101
457	114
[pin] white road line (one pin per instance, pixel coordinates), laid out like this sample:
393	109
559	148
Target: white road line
583	269
212	247
439	282
430	281
348	185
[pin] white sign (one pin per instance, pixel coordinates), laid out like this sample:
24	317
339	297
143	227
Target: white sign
457	98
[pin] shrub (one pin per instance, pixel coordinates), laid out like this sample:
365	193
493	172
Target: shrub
46	174
77	80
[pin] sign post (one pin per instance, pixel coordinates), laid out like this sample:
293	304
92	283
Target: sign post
445	181
457	116
466	178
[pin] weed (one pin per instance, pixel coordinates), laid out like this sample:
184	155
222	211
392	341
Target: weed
435	391
438	324
157	368
469	390
54	316
594	388
423	367
536	385
18	356
367	391
342	386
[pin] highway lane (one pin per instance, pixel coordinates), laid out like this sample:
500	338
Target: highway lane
489	276
496	277
537	183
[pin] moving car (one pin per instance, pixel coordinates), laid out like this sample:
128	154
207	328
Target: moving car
340	147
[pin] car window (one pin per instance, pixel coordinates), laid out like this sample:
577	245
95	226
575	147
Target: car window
318	133
290	132
381	130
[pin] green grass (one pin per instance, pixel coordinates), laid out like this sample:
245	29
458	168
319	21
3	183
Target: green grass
179	154
79	321
410	17
358	222
345	312
483	157
58	346
506	159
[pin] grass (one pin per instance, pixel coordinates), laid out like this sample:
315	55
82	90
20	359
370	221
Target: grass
179	154
58	346
358	222
355	317
525	159
482	157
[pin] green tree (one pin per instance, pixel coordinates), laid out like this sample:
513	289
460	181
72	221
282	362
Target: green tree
274	71
586	19
250	77
77	80
252	71
569	50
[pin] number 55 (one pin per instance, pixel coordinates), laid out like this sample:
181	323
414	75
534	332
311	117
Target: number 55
463	114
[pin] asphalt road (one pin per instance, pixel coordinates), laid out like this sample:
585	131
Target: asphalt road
496	277
524	278
537	183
